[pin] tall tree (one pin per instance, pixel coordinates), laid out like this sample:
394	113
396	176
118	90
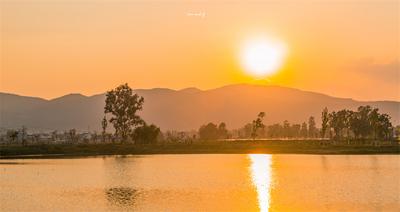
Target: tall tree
304	130
338	122
12	135
257	124
374	120
222	131
295	131
123	104
364	125
324	122
72	136
385	127
24	134
312	129
286	128
104	128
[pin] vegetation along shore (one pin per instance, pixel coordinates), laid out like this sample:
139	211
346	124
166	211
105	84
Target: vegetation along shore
364	131
206	147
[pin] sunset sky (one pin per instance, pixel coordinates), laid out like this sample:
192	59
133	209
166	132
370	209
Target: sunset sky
337	47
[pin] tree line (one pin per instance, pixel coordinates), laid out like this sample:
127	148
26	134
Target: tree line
364	123
122	106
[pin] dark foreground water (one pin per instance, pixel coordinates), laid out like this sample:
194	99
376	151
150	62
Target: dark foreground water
203	183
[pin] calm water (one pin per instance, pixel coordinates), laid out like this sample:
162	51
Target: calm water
203	182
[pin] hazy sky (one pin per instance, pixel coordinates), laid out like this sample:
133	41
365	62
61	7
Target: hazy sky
341	48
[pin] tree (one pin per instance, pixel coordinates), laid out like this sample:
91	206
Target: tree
208	132
397	131
24	134
337	121
324	123
257	124
385	128
72	135
12	135
54	135
104	128
286	129
123	105
222	131
146	134
275	131
312	129
295	131
303	130
247	130
364	125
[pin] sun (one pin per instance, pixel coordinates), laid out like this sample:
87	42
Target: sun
262	57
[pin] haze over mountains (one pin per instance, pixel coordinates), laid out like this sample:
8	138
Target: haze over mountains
185	109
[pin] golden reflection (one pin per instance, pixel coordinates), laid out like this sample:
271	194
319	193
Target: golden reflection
260	170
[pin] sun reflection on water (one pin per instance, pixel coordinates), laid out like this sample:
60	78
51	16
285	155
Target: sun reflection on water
260	169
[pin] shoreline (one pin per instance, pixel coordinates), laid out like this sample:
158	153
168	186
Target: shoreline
243	147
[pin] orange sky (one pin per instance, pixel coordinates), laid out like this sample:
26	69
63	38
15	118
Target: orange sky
341	48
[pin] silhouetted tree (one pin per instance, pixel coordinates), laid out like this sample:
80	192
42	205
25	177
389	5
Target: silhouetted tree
208	132
295	131
338	121
123	105
257	124
12	135
104	128
312	129
72	135
397	131
222	131
286	129
54	135
385	128
303	130
364	123
324	122
275	131
24	134
247	130
146	134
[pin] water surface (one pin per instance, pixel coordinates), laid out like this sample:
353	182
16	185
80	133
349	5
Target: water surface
237	182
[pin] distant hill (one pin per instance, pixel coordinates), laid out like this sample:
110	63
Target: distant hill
185	109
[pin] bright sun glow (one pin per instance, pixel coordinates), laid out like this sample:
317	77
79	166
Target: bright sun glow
262	57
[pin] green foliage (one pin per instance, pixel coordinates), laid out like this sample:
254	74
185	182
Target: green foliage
123	106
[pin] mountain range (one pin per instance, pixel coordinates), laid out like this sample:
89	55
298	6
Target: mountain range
185	109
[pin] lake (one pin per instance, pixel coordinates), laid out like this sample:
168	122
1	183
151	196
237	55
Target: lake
212	182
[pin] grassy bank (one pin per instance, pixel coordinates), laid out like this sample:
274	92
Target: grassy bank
220	147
